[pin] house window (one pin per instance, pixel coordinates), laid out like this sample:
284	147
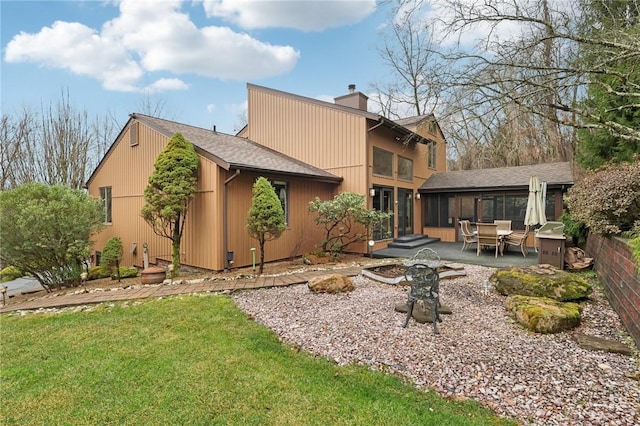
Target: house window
382	162
515	208
492	208
432	155
383	202
440	211
405	168
282	192
432	127
105	196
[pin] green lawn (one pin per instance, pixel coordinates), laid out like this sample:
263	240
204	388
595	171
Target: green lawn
193	360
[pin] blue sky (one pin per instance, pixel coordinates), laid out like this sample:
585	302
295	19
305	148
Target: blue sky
195	56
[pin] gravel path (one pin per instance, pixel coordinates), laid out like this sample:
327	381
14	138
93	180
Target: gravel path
481	354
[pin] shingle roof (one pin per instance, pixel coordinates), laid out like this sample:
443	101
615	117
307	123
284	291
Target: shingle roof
412	121
230	151
554	174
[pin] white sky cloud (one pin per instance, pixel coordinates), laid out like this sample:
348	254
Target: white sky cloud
304	15
165	84
157	37
81	50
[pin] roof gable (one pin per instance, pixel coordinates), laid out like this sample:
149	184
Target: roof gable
230	151
408	135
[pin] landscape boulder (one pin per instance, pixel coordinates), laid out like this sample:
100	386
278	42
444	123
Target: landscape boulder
540	281
334	283
542	314
594	343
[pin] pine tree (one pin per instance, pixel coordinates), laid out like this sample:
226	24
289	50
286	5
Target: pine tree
172	187
266	219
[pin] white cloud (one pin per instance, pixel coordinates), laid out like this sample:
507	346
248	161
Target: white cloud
211	107
78	48
165	84
304	15
238	109
150	36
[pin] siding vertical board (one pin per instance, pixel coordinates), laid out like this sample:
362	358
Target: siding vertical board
127	170
301	235
315	134
335	139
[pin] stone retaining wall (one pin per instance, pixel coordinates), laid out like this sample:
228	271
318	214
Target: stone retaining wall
620	276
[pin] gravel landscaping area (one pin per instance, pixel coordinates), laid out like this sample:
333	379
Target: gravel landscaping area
481	353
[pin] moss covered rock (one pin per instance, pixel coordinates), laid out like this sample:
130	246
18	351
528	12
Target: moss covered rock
543	315
540	281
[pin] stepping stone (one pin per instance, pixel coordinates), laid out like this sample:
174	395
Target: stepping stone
593	343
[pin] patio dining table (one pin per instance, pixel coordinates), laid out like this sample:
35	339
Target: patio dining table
502	235
501	232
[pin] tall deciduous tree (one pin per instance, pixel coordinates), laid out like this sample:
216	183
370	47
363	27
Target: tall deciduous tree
46	231
172	186
520	84
56	144
413	87
266	220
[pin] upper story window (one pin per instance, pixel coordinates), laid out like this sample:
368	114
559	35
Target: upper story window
431	160
105	196
382	162
282	191
432	127
405	168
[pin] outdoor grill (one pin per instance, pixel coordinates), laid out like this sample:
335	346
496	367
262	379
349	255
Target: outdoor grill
551	244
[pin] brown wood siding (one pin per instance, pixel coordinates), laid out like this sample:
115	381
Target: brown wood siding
201	242
330	139
301	235
385	139
337	141
445	234
126	171
441	147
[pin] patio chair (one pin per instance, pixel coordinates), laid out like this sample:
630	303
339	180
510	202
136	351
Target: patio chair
468	237
424	287
518	239
503	225
488	237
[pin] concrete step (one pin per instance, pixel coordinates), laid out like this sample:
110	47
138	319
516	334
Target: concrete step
412	242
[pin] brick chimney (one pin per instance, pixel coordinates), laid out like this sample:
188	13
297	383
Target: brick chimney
353	99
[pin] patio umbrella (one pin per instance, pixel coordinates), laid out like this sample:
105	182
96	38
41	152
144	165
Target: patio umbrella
535	206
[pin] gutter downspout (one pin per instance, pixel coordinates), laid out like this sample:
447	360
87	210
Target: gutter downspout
225	232
377	125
